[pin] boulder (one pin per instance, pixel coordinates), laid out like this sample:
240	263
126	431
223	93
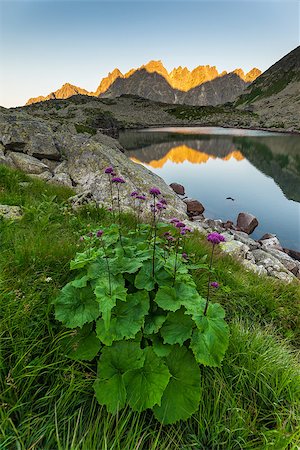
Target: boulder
197	218
246	222
178	188
27	163
245	239
289	263
42	146
270	241
292	253
10	212
228	225
194	207
235	248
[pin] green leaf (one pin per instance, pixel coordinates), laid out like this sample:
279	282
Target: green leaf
172	298
80	281
170	263
107	292
82	344
177	328
145	386
114	362
210	340
98	268
127	318
125	265
181	397
82	259
76	306
154	321
144	279
159	348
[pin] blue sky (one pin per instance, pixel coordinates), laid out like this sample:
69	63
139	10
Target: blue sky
47	43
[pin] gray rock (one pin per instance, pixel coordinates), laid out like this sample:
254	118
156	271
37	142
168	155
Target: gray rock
289	263
63	179
214	224
51	164
27	163
259	270
42	146
235	248
10	212
243	237
271	242
246	222
45	176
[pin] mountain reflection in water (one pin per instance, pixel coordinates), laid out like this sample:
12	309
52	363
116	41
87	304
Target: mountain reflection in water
261	171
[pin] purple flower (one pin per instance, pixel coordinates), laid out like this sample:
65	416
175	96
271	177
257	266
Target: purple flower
154	191
180	225
182	232
170	239
99	233
214	284
187	229
167	233
163	201
118	180
174	220
141	197
134	194
185	256
109	170
160	206
215	238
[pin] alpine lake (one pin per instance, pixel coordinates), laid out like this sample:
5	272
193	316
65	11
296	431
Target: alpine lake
229	171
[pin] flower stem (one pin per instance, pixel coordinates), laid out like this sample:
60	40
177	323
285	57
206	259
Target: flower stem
107	264
154	241
176	256
209	277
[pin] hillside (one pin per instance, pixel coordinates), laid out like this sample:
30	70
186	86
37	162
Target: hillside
275	95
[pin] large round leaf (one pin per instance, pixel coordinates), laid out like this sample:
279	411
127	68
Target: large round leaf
82	344
127	318
107	291
210	340
145	386
171	298
76	306
181	397
114	362
177	328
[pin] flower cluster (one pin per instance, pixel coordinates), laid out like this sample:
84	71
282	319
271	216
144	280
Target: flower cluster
215	238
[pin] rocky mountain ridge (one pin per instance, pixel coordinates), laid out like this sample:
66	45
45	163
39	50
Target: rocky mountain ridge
178	79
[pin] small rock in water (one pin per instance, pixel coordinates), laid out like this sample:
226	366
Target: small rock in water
178	188
246	222
194	207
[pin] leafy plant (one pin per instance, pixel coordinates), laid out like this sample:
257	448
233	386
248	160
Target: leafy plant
151	330
134	301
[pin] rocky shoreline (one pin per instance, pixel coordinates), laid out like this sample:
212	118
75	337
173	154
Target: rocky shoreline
58	153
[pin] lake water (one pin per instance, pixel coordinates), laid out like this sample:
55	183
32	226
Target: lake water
259	170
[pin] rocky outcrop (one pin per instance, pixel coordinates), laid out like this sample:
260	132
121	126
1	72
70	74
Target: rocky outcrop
194	207
66	91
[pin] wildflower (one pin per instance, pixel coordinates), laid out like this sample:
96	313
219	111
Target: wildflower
187	229
99	233
160	206
180	225
141	197
185	256
118	180
214	284
109	170
174	220
134	194
215	238
163	201
154	191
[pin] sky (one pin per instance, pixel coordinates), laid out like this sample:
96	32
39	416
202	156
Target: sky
44	44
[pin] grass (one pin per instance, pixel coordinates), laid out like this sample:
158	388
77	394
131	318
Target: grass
46	400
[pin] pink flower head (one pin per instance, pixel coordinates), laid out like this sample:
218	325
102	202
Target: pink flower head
99	233
160	206
185	256
109	170
118	180
141	197
154	191
134	194
214	284
163	201
180	225
174	220
187	229
215	238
